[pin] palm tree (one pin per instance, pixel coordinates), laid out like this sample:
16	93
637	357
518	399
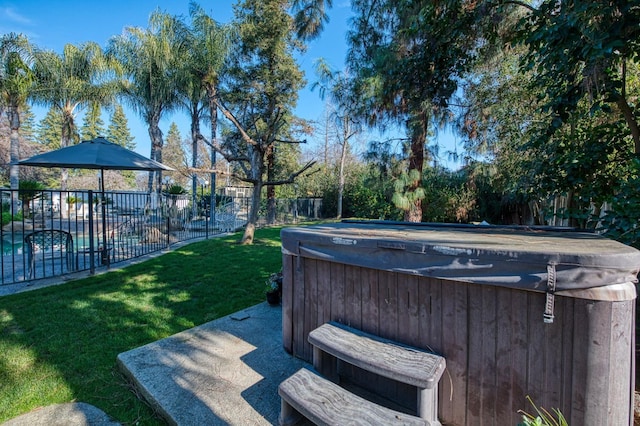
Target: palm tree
16	84
70	82
191	95
151	59
192	98
210	48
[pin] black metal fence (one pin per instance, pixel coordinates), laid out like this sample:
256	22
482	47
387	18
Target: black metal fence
51	233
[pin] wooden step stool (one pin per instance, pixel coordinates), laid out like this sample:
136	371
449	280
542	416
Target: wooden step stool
332	342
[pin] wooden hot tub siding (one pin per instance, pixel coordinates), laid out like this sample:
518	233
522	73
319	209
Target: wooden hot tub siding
498	350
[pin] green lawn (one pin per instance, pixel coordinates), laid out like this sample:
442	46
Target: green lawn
59	344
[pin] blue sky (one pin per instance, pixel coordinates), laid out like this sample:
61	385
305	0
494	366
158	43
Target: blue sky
50	24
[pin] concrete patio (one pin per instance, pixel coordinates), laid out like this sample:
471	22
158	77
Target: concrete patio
225	372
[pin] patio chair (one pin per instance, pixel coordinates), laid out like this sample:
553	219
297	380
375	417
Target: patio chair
127	238
52	244
225	219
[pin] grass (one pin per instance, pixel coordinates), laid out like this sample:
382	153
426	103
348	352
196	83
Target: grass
59	344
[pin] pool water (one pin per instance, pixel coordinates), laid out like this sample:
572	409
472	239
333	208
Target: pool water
11	247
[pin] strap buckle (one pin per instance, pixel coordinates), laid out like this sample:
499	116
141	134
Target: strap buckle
551	288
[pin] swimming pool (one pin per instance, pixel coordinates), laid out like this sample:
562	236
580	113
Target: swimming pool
12	243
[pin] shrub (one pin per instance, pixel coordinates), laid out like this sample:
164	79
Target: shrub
176	190
7	217
622	220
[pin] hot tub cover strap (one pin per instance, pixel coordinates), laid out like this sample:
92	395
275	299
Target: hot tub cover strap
551	289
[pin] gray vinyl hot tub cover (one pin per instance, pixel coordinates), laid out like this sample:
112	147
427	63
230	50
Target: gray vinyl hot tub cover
505	256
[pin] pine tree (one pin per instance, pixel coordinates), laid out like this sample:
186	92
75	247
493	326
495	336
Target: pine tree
173	154
27	125
92	124
50	129
118	131
261	96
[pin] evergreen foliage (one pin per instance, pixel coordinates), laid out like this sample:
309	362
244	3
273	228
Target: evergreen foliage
174	155
118	130
50	129
92	123
260	96
27	125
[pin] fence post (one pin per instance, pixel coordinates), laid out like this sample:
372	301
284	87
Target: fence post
92	263
168	210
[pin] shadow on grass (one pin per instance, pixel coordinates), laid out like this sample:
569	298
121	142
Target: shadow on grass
60	343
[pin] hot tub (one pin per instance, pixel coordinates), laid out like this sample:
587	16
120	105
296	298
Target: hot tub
516	312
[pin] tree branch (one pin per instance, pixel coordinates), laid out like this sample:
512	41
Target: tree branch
292	177
229	115
200	138
291	142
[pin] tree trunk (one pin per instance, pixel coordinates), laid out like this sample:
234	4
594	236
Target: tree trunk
159	172
156	154
213	111
341	186
250	229
627	112
65	141
257	172
343	156
271	190
151	172
419	125
14	177
195	132
271	204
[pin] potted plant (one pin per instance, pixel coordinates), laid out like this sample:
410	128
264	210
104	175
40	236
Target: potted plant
274	289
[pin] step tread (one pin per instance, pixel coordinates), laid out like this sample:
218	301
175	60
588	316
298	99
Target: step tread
324	402
381	356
